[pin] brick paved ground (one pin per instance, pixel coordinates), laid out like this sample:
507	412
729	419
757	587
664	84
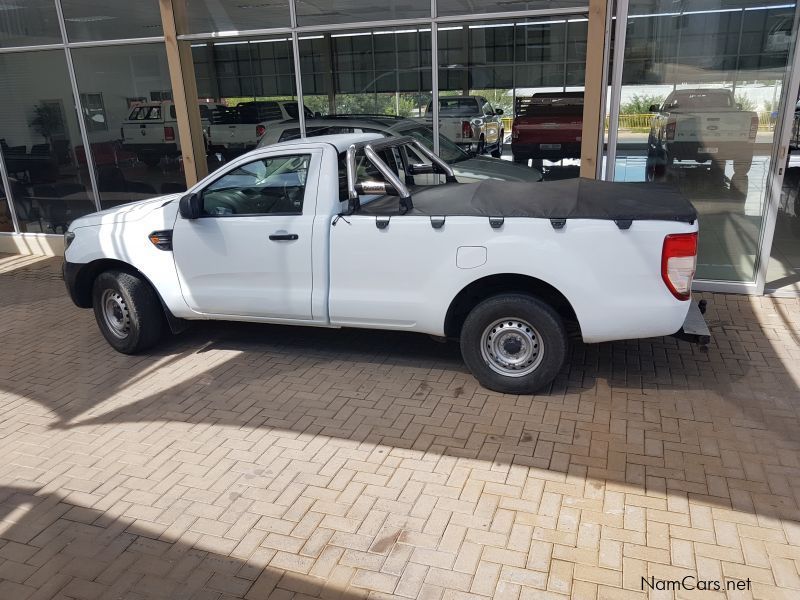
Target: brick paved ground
256	462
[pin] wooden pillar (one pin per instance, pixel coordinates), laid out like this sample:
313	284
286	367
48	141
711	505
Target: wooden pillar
595	88
184	90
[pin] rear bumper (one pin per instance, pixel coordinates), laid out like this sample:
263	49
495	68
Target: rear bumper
718	150
528	150
694	329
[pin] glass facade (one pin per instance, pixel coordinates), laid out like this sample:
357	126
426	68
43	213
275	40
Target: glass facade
40	139
134	158
700	92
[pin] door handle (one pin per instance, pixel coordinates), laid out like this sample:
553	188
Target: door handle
284	237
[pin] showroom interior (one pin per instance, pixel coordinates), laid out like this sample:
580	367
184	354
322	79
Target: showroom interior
76	73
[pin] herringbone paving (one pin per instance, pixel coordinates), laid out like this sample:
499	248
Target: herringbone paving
241	461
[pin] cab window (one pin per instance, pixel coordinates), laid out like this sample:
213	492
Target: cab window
274	185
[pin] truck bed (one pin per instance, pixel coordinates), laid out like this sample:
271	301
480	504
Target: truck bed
566	199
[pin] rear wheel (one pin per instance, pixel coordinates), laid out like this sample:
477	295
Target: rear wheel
127	311
514	343
520	160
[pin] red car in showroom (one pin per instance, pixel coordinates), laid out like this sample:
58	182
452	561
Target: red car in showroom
547	126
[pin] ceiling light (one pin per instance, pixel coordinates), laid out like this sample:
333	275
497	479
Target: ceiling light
93	19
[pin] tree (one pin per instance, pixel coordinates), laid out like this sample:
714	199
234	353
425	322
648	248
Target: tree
46	121
640	104
745	102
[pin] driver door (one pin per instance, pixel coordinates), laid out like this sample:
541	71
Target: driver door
249	253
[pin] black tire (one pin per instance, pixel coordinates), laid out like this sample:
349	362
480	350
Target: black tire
656	166
520	160
514	308
498	150
139	312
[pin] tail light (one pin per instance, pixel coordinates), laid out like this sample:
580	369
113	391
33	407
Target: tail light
169	134
514	132
670	130
260	130
678	263
466	129
753	127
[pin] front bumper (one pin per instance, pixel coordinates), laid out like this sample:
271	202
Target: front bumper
695	330
71	272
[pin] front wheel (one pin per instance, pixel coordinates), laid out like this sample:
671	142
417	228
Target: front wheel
127	311
514	343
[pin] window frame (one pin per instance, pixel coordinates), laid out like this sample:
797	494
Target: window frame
310	154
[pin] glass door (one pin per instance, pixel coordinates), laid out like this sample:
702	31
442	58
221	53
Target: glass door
699	98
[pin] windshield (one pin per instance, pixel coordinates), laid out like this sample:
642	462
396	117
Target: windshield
701	100
448	151
291	110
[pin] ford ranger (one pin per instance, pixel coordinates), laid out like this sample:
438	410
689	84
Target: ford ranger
332	232
701	125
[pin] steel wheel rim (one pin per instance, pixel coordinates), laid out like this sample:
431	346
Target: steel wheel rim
512	347
116	315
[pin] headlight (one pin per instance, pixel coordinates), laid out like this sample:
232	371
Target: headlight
68	237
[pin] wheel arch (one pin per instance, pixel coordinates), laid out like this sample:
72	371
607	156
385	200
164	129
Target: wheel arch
86	276
492	285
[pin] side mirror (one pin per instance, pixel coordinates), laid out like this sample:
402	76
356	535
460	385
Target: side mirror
653	108
190	206
317	115
739	105
498	112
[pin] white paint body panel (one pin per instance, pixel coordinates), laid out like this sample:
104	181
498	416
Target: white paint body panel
402	277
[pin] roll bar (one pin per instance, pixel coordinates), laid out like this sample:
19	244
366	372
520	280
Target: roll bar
392	182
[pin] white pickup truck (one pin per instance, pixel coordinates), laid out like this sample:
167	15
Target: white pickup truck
470	121
237	129
332	232
701	125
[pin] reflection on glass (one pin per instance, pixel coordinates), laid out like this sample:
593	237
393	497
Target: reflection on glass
385	72
28	23
6	222
700	91
215	16
324	12
466	7
513	75
783	270
89	20
40	141
248	85
130	120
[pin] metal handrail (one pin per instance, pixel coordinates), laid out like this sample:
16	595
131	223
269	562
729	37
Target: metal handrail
371	150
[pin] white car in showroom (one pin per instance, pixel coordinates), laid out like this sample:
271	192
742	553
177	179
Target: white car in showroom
334	232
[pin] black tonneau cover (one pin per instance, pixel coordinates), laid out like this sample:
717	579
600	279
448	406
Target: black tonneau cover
566	199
